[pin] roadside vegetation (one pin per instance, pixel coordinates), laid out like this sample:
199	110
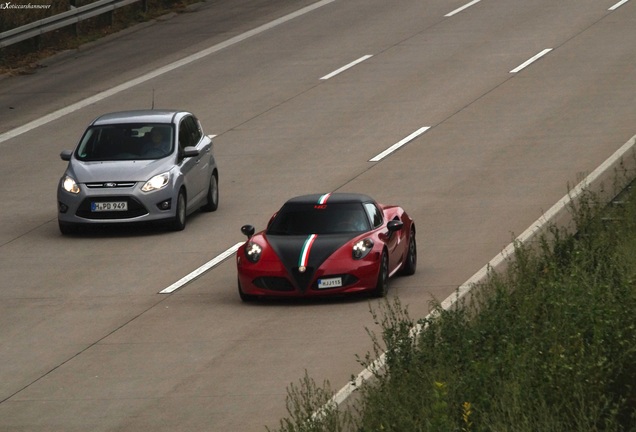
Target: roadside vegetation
23	57
549	344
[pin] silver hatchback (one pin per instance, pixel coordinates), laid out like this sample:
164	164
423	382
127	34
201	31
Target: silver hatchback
138	166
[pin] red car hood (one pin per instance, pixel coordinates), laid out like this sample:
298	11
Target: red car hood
302	255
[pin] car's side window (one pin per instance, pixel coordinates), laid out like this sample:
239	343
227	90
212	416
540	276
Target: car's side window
196	129
189	132
375	215
184	135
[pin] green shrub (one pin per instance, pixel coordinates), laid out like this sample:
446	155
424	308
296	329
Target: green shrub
550	345
310	409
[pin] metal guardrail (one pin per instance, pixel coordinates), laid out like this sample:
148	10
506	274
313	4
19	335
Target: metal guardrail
60	20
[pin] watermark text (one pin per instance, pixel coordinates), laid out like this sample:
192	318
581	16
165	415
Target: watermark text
9	5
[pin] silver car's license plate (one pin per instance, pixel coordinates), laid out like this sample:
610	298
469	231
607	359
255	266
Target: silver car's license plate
109	206
330	283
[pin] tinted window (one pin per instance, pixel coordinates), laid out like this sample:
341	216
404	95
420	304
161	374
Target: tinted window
125	142
300	219
189	132
374	214
185	136
196	129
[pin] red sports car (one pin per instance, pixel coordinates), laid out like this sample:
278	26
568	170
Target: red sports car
331	244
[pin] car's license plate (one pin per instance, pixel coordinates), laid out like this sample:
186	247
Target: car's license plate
109	206
330	283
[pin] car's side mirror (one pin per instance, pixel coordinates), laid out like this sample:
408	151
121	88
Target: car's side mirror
189	152
394	225
66	155
248	230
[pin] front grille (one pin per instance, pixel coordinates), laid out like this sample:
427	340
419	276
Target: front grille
135	209
303	279
110	185
273	283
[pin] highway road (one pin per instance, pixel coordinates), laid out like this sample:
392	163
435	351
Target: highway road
515	101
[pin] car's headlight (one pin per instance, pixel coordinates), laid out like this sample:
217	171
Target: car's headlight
70	185
157	182
362	248
253	252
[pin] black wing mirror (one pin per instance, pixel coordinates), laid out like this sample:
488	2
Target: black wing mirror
248	230
394	225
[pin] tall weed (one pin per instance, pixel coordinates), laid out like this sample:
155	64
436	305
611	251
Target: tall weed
549	345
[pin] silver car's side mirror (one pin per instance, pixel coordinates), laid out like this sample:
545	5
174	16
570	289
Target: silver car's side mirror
190	152
66	155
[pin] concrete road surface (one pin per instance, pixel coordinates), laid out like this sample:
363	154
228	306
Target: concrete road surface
518	100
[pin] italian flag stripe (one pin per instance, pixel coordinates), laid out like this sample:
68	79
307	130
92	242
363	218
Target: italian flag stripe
304	253
323	199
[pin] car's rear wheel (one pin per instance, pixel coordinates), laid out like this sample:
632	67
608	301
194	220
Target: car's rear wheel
245	297
179	221
67	228
410	263
213	194
382	285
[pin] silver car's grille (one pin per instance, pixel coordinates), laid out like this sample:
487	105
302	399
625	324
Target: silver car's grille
110	185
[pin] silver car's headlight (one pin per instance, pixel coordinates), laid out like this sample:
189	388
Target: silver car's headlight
159	181
70	185
362	248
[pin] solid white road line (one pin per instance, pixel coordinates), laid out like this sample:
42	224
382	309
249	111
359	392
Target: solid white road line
466	6
198	272
157	72
617	5
397	145
480	276
344	68
532	60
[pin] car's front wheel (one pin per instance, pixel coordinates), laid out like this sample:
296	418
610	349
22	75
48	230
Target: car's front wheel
382	285
410	263
213	194
179	220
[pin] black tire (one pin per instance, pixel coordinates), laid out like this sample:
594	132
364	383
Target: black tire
179	221
410	262
213	194
382	285
245	298
67	228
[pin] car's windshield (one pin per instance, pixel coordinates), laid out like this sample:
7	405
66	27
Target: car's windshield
126	142
300	219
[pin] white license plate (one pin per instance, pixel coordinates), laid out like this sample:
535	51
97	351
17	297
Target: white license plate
330	283
109	206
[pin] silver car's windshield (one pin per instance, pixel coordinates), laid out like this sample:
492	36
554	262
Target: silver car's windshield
126	142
